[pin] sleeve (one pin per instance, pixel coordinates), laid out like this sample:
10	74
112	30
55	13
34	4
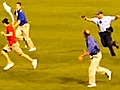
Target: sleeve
112	18
95	20
21	16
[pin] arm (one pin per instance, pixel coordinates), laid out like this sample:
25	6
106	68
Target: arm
117	16
80	58
87	19
91	44
17	23
13	22
4	34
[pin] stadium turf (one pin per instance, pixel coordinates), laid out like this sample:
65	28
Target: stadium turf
57	32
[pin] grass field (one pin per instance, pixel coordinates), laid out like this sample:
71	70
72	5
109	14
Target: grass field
57	32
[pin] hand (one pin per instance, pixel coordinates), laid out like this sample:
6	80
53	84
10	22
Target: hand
118	16
80	58
2	33
84	17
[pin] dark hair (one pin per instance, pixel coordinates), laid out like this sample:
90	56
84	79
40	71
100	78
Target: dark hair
5	20
19	3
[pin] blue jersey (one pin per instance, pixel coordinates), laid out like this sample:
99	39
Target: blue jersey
92	45
21	16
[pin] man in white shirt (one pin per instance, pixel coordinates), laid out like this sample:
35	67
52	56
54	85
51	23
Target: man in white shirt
105	29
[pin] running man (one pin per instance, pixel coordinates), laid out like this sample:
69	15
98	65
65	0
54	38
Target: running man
22	31
95	55
13	45
104	24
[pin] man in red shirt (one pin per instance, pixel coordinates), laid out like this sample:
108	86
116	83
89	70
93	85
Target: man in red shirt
13	45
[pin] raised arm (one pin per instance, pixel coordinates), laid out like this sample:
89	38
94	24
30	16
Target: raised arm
17	23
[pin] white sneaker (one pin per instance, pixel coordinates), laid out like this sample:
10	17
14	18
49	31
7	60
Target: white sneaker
32	49
8	66
109	75
34	63
92	85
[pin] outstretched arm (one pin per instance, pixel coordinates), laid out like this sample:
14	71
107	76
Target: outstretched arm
87	19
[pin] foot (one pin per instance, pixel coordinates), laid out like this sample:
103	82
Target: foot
115	44
8	66
34	63
92	85
109	75
32	49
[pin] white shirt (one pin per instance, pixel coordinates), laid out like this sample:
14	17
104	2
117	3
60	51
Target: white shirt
103	23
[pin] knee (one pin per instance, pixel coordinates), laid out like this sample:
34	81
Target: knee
4	51
90	69
22	55
105	45
17	34
26	38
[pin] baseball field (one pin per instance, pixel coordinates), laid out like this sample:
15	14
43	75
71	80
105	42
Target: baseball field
57	32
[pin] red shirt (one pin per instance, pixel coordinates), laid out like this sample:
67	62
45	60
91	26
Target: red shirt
11	39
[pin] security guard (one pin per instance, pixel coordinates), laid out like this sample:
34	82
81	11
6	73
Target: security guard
22	31
104	24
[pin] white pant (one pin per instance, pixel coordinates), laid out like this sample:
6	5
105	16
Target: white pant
94	67
22	32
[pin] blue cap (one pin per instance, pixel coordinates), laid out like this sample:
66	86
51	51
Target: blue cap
100	12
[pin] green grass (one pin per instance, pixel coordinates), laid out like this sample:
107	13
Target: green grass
57	32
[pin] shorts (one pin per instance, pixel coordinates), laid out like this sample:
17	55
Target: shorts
14	47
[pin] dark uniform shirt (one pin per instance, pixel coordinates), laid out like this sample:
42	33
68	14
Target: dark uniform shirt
21	16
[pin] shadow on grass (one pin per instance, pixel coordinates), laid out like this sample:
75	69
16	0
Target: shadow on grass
70	80
74	50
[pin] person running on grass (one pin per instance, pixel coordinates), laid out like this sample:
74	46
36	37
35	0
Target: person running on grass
95	55
13	45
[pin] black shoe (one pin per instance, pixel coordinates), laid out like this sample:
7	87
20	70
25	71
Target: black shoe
114	44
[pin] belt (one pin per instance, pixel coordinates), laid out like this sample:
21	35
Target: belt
91	57
94	53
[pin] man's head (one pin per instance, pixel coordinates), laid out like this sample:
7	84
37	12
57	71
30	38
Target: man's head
86	33
100	15
18	5
5	21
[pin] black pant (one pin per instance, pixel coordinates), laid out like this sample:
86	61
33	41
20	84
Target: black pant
106	41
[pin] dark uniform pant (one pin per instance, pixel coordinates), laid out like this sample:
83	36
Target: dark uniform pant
106	41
